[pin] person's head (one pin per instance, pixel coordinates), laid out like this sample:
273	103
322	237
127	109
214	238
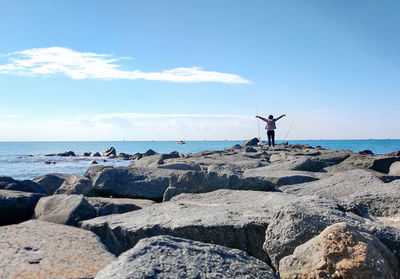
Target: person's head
271	117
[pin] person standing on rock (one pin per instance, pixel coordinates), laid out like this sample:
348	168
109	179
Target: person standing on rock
270	127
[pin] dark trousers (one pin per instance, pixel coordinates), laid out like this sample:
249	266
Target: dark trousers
271	137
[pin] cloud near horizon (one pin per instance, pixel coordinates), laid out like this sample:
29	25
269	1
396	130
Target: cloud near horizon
88	65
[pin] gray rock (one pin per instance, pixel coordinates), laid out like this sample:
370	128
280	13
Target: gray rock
299	164
16	206
109	152
67	154
333	156
7	183
107	206
378	163
149	152
64	209
250	149
151	161
202	182
94	171
93	162
252	142
395	153
236	147
395	169
37	250
366	152
51	182
360	191
180	166
132	182
172	257
76	184
235	219
280	178
172	155
340	251
95	154
297	221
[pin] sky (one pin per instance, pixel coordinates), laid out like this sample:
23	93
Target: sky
195	70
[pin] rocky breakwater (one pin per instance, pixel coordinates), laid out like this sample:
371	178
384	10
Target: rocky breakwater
243	212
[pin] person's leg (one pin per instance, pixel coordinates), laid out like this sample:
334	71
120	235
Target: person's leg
273	138
269	138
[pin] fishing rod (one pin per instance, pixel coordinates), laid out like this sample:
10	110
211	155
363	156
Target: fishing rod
258	123
290	128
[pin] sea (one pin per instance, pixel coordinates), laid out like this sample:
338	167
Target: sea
26	160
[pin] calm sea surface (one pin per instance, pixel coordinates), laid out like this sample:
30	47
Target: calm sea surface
25	160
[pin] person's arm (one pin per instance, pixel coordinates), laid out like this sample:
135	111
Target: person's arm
280	117
262	118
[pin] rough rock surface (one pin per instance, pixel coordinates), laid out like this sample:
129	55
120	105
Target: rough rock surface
64	209
280	178
340	251
299	220
16	206
51	182
298	164
8	183
76	184
395	169
143	183
41	250
235	219
172	257
361	191
202	182
107	206
252	142
151	161
92	172
378	163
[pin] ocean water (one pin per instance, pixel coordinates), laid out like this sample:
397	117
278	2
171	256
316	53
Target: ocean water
25	160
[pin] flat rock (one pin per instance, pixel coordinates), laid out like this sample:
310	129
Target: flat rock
300	164
107	206
64	209
280	178
51	182
361	191
8	183
16	206
41	250
202	182
172	257
75	184
132	182
378	163
340	251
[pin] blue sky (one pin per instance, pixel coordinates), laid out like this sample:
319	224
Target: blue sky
167	70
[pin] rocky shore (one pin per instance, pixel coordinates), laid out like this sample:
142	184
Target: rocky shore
244	212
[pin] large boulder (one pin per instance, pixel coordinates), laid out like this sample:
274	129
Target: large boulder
378	163
202	182
235	219
107	206
151	161
340	251
132	182
172	257
50	182
37	250
16	206
298	164
64	209
395	169
109	152
8	183
92	172
299	220
75	184
361	191
251	142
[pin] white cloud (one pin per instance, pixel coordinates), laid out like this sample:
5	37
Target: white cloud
88	65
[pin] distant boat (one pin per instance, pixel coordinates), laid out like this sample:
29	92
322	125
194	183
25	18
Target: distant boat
180	142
